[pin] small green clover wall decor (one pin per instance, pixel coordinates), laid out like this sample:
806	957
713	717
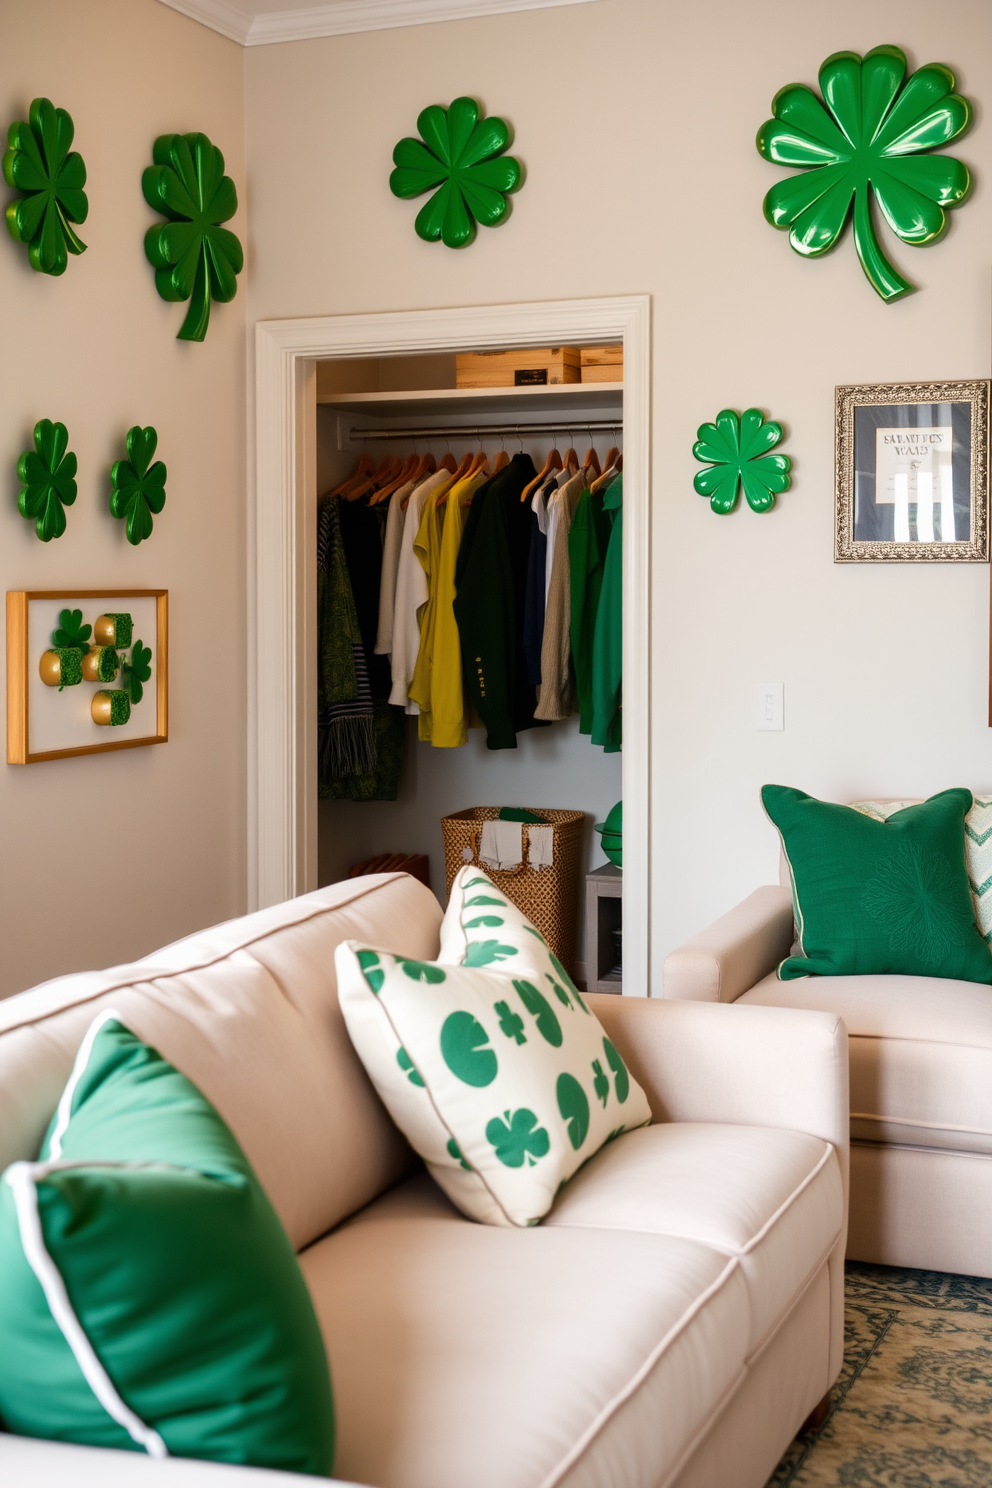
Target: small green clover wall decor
40	164
736	449
194	257
47	475
138	486
136	672
871	134
463	156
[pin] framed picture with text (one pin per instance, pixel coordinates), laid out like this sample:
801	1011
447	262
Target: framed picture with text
912	473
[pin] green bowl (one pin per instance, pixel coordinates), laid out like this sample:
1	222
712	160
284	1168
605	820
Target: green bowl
611	831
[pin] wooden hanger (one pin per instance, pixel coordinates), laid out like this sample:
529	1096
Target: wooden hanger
553	462
464	469
406	473
613	467
591	462
447	462
571	461
501	461
359	474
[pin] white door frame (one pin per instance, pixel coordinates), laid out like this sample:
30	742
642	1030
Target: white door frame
282	721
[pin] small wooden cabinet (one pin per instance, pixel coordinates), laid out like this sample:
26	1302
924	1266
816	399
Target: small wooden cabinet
604	915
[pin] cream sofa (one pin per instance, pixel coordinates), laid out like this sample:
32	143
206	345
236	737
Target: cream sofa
672	1322
921	1083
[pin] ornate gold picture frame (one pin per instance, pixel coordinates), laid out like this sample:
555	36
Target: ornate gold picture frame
912	472
60	705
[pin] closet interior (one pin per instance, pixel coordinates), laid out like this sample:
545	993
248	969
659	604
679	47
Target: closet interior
382	423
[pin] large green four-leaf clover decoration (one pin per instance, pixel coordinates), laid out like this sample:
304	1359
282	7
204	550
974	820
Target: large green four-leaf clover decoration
48	477
194	257
40	164
463	156
138	486
872	132
736	451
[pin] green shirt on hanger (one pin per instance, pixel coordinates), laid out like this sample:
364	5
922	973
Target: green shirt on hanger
607	652
588	540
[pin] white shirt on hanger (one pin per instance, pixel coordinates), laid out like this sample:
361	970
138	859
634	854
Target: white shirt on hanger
411	593
390	565
551	521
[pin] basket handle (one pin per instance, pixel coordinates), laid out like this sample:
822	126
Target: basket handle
475	838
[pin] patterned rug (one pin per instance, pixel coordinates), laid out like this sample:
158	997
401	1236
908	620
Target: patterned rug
913	1405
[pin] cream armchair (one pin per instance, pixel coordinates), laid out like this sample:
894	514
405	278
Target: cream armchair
920	1084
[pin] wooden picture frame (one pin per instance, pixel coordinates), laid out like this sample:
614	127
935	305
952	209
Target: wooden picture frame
24	745
912	472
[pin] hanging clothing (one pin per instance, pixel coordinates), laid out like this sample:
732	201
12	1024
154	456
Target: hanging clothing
427	547
490	581
449	712
607	656
411	593
536	595
557	698
390	565
588	539
361	535
345	726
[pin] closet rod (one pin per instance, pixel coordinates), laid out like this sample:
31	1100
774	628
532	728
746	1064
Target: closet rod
489	431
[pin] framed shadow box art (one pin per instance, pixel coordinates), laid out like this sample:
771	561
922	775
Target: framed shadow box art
87	671
912	473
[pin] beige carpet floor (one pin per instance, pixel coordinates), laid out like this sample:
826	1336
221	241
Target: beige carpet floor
913	1405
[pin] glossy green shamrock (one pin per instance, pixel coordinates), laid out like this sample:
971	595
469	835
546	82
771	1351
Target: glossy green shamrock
736	448
194	257
51	177
136	672
869	134
72	631
138	486
573	1105
47	474
463	155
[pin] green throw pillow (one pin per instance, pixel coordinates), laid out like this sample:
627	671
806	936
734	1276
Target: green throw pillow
149	1296
876	896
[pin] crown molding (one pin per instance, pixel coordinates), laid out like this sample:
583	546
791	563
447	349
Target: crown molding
339	17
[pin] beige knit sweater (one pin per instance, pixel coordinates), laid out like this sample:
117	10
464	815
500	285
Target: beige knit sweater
557	691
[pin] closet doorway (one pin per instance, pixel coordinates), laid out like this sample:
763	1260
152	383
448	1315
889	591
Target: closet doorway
282	806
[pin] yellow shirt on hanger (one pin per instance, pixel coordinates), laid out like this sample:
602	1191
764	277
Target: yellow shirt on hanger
427	546
450	720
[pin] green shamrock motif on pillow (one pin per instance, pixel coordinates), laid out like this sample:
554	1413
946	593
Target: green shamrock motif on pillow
407	1066
541	1011
193	256
138	486
463	156
72	632
455	1152
559	991
573	1105
518	1138
620	1074
421	971
372	970
510	1022
50	175
485	952
485	899
601	1082
737	447
48	475
466	1051
869	138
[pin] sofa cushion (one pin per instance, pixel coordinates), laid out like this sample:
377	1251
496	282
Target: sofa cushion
505	1084
507	1358
234	1008
148	1293
774	1199
920	1050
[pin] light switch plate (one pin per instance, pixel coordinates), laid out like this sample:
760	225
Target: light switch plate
769	706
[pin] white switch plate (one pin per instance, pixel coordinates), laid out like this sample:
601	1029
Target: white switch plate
769	706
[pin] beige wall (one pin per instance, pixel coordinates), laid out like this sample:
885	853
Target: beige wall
105	858
636	123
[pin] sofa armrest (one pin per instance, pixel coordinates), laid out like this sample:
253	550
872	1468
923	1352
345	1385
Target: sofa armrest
746	1066
735	952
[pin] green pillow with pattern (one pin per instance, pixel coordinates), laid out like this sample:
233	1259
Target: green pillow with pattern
504	1083
876	896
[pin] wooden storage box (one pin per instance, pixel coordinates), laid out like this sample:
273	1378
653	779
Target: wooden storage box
602	363
534	366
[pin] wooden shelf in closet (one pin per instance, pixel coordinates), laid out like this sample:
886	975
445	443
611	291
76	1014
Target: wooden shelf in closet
560	398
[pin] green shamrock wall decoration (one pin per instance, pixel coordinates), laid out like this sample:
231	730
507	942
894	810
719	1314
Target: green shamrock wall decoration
870	134
138	487
72	632
136	672
47	474
736	449
194	257
463	156
40	164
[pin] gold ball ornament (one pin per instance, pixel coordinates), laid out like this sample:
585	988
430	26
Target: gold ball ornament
50	669
90	662
104	630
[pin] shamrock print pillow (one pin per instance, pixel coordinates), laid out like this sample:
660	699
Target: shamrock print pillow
505	1084
482	928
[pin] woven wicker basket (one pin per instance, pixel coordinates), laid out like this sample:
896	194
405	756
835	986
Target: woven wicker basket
547	896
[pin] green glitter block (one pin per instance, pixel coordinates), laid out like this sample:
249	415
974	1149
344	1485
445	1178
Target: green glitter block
120	704
70	665
108	664
123	629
